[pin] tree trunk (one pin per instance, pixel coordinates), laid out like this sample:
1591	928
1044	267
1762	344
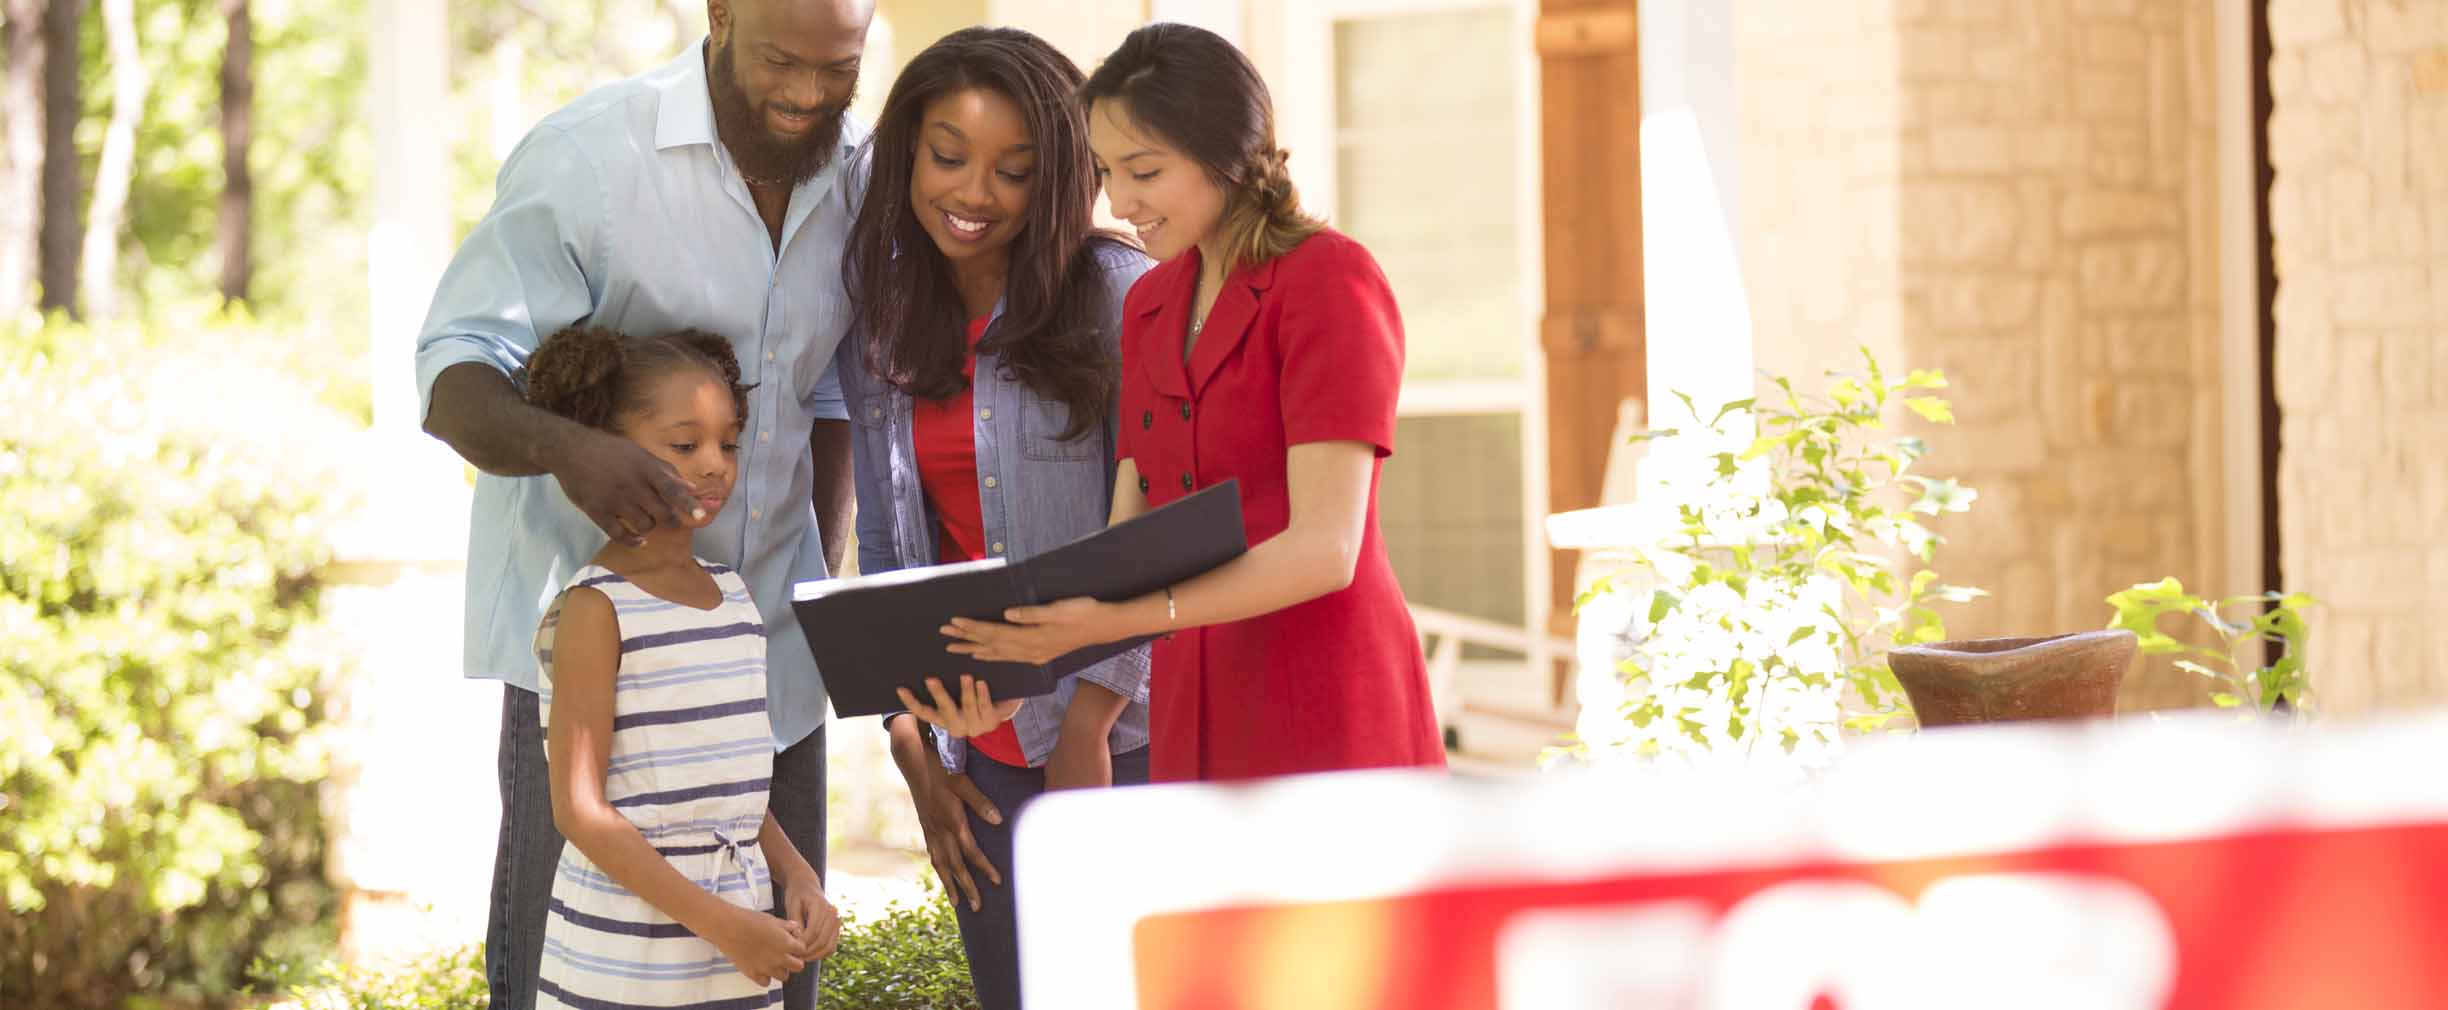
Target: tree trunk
117	170
237	232
62	171
21	151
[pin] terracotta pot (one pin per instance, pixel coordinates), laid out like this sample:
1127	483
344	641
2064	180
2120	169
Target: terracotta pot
2014	679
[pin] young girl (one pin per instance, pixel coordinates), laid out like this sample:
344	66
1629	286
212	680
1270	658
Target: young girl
1266	348
654	698
980	378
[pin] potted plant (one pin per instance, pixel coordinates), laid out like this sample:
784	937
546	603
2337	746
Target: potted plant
1763	605
2265	625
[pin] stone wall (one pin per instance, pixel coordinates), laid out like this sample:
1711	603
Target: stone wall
2359	213
2024	195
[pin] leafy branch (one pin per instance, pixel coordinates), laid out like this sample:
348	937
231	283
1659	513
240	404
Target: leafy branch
2275	619
1783	578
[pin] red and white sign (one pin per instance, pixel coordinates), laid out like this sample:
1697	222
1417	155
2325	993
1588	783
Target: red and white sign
2183	864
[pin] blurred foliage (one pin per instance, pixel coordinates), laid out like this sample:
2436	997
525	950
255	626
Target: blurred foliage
909	958
311	158
161	666
451	979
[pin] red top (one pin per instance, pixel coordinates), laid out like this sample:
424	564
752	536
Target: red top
946	441
1307	347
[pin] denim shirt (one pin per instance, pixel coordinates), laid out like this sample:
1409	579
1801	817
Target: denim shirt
1036	492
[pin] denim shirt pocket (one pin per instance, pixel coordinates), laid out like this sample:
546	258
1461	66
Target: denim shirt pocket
1042	421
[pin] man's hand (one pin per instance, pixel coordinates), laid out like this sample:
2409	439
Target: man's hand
623	488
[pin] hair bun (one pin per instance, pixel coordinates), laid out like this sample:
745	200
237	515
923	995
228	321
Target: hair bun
574	372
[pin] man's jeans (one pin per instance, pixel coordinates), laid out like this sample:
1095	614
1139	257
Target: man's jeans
530	849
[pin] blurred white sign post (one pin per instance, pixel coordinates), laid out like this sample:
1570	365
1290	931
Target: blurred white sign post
412	804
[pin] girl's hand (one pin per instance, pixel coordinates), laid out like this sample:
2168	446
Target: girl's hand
973	714
1038	635
762	947
818	923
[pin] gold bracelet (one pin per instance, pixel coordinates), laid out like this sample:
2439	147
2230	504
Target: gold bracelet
1170	616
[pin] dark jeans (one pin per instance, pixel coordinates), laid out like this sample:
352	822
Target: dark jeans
530	849
991	936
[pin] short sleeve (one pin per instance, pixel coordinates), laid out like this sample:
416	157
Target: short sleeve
1341	343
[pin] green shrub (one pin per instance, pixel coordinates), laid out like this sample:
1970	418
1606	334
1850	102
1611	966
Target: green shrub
160	666
909	959
442	980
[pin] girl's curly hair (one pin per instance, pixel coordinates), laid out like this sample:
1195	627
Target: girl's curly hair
595	375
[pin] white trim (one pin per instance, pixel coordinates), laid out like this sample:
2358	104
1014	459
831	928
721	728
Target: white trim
1530	239
1445	399
2239	337
1305	71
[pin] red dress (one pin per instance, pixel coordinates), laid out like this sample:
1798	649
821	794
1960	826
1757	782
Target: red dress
1307	347
945	439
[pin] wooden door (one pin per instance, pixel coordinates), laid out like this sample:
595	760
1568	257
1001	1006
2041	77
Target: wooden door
1593	334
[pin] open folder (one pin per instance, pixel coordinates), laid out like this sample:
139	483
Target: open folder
874	633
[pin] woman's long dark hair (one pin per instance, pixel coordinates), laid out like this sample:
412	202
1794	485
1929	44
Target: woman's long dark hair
908	306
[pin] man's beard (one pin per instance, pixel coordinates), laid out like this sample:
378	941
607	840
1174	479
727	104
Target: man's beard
763	157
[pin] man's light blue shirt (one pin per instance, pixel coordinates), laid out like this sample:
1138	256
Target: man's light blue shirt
624	210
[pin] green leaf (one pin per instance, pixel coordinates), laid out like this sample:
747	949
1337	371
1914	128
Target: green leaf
1941	496
1731	407
1931	409
2224	700
1924	378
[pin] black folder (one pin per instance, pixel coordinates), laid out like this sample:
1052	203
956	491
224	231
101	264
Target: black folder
872	634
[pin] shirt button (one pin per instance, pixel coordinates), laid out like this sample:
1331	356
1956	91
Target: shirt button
998	547
986	414
1185	410
1185	482
875	412
769	355
760	513
1143	485
764	436
990	483
1147	420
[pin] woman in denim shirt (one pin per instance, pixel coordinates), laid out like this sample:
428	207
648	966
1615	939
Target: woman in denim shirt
997	445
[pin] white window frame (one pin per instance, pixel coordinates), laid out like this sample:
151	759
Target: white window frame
1303	70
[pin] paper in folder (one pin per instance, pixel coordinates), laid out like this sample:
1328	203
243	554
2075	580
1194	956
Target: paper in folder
874	633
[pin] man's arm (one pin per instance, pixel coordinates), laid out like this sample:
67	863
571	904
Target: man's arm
521	274
479	414
829	446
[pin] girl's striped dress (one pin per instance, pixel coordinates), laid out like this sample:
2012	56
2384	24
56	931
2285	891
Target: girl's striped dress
692	758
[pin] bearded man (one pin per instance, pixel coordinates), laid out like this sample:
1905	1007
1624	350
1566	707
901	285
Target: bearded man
714	193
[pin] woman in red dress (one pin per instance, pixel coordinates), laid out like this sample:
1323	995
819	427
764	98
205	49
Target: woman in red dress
1265	348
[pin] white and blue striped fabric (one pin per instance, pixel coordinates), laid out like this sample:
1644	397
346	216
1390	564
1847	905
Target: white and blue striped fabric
692	759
